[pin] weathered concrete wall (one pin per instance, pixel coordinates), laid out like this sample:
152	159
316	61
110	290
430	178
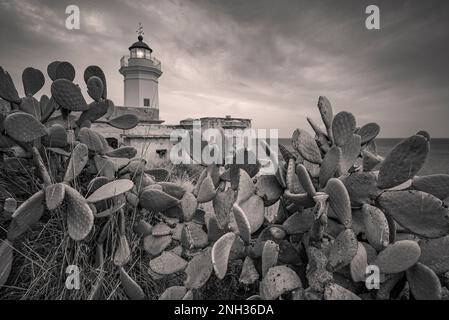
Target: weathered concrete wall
152	140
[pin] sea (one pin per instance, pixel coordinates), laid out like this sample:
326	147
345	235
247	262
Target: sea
437	160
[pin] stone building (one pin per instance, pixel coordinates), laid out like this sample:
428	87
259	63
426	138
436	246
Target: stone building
141	72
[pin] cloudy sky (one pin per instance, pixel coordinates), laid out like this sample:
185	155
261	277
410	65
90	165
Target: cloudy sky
262	59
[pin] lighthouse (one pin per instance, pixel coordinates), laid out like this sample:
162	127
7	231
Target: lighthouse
151	137
141	72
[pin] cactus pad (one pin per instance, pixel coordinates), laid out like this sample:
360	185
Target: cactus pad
174	293
131	288
122	253
418	212
27	214
424	283
142	228
31	105
254	211
327	115
56	138
362	188
377	230
339	201
54	195
358	264
249	272
95	111
199	270
111	190
80	218
189	204
222	203
155	245
160	229
334	291
24	127
286	153
343	127
435	254
95	88
293	184
370	160
175	190
369	132
299	222
159	174
246	160
350	153
214	230
68	95
47	108
245	187
8	91
305	144
305	180
268	188
277	281
77	162
6	258
436	184
270	255
299	200
51	69
398	257
403	162
168	263
207	190
91	139
65	70
193	236
156	200
220	254
127	152
96	71
104	166
33	80
124	122
331	165
242	224
343	250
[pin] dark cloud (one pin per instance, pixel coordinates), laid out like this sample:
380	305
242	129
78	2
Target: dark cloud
263	59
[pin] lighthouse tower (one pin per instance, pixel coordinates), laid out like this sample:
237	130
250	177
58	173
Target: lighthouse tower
141	72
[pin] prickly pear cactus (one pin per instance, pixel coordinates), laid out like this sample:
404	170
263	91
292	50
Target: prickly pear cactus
333	208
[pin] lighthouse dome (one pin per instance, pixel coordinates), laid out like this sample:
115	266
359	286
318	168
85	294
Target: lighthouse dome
140	45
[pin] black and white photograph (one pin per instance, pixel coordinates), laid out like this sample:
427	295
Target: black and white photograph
245	152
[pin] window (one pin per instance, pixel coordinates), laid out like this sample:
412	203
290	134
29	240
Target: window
161	153
113	142
146	102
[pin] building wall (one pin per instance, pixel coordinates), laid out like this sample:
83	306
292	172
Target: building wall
152	149
141	81
139	85
152	141
215	122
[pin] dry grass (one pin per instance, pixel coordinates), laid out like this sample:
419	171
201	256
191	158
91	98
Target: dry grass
42	254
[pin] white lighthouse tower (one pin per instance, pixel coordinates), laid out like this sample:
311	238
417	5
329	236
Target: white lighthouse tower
141	72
